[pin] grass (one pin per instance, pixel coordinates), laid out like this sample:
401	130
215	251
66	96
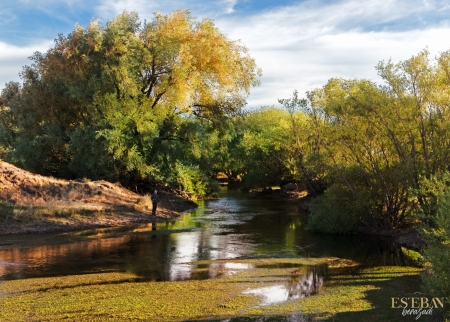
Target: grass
143	203
365	296
27	219
114	296
33	214
351	293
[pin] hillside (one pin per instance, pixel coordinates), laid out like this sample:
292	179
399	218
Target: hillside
34	203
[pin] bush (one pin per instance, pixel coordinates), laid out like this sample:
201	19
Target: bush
192	180
331	212
6	211
143	203
437	252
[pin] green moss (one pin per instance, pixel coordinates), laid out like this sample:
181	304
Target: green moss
113	296
350	294
364	295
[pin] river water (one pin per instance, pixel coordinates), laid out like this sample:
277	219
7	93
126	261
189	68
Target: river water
236	225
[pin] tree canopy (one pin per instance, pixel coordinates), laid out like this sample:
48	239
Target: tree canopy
112	101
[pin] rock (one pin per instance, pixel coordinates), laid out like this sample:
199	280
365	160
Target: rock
290	187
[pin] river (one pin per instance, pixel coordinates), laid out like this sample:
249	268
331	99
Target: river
236	225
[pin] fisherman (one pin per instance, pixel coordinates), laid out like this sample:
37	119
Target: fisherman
155	200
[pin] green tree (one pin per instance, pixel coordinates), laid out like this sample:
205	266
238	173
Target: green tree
375	143
436	233
111	101
264	144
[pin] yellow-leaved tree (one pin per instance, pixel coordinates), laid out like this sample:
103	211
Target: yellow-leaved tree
110	101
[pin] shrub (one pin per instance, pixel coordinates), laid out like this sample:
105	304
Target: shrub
331	212
192	180
436	279
143	203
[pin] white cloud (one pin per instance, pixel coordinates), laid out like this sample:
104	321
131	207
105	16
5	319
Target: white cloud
229	5
13	58
109	9
301	47
348	55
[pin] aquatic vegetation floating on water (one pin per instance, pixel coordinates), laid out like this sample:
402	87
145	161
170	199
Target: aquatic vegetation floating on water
361	295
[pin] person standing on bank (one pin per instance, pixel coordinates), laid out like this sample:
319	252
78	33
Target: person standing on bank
155	200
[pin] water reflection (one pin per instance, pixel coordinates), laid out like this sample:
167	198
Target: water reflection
307	281
233	226
185	252
296	317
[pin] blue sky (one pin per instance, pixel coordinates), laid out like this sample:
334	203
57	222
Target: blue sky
298	44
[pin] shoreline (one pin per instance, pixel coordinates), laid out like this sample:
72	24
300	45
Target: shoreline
408	237
31	203
69	222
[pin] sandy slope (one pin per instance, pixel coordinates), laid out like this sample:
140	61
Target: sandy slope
20	187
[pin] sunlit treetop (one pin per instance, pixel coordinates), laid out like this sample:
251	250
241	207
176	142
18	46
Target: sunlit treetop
173	61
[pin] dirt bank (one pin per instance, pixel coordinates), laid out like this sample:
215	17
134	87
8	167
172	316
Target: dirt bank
408	237
31	203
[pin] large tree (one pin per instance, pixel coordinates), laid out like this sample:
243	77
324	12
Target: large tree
108	101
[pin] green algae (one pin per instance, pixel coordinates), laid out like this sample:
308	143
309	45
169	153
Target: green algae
268	260
362	296
111	296
350	293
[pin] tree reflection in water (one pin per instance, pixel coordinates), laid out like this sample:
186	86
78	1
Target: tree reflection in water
305	282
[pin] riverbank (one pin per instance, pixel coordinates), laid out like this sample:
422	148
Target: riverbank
407	236
299	198
31	203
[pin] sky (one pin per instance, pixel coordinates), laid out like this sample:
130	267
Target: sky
299	45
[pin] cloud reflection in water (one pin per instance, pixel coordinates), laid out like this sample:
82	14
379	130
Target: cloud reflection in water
299	286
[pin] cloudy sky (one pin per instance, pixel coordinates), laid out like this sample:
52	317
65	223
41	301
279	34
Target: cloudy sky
298	44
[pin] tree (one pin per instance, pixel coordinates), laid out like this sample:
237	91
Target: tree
105	100
265	145
381	140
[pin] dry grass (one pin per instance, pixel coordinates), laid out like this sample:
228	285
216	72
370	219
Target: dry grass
27	198
143	203
22	187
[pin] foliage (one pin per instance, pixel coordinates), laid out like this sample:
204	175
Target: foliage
190	179
333	212
375	143
264	143
437	236
428	197
117	101
305	146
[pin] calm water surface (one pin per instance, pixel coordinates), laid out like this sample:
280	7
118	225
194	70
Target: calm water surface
236	225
